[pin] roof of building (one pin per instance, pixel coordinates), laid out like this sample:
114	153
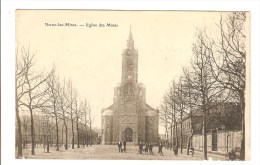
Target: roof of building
150	113
107	112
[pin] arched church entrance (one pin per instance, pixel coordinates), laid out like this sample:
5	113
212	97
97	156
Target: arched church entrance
128	135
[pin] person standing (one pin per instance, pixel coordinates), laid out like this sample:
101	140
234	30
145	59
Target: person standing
232	155
119	144
146	148
160	147
140	147
124	144
150	149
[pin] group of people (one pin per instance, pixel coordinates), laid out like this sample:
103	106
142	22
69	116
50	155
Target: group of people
147	148
121	146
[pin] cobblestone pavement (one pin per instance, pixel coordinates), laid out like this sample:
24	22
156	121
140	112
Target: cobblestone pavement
110	152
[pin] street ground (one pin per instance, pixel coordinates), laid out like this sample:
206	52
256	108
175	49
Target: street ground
110	152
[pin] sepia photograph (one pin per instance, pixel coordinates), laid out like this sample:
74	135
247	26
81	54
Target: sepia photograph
132	85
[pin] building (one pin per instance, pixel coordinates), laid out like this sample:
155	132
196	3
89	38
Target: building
223	129
45	130
129	118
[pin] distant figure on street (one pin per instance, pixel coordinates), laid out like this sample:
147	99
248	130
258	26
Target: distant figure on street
232	155
140	147
160	147
124	144
146	147
150	149
119	144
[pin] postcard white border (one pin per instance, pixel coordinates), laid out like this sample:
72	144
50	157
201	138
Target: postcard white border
8	8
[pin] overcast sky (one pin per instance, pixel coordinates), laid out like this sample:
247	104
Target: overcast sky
91	57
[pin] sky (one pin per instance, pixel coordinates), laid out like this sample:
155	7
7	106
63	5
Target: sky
91	56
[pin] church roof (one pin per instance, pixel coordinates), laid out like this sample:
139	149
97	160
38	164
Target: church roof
150	113
111	107
149	107
107	112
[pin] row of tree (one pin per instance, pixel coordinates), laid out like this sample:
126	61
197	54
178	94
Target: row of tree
217	75
46	93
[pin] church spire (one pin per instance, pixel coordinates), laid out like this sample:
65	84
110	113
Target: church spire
130	41
130	34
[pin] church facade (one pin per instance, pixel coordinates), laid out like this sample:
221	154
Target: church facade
129	118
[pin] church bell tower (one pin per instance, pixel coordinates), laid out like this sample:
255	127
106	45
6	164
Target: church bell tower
129	118
129	77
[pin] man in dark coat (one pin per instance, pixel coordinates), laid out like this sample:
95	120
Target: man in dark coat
160	147
151	149
124	144
140	147
119	144
146	147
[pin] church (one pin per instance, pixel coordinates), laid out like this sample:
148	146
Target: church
129	118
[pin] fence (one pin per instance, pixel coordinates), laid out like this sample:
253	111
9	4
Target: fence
219	141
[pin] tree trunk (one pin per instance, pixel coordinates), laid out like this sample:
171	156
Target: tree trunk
19	134
57	133
66	136
188	143
242	106
86	136
205	136
32	130
176	134
181	140
172	129
72	128
31	112
78	133
171	135
62	138
166	131
90	137
181	118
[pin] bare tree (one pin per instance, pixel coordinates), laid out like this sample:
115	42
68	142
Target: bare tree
33	93
64	105
25	128
173	112
190	103
19	93
84	107
163	116
53	85
229	57
181	110
171	101
203	83
71	110
77	116
91	120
